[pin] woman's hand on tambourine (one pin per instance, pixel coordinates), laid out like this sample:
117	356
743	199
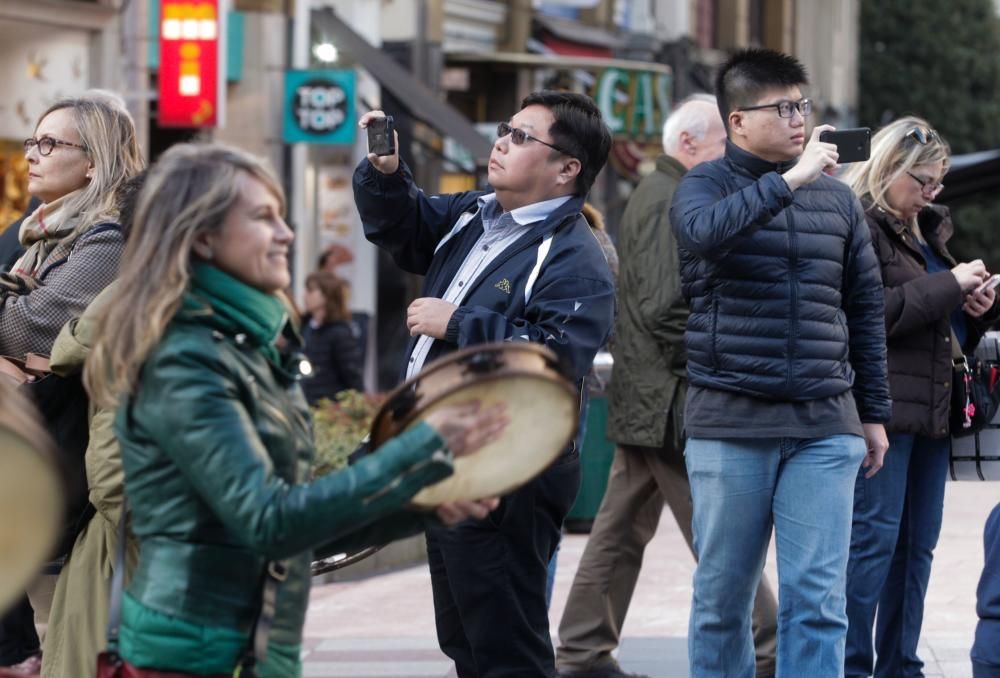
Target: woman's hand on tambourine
454	512
467	427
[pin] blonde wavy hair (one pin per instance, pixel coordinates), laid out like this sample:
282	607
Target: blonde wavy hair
189	191
896	149
107	130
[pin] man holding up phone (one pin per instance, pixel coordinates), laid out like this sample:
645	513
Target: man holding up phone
515	264
788	387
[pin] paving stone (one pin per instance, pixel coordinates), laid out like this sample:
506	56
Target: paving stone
384	625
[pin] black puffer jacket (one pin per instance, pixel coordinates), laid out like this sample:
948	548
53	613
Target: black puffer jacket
784	288
335	352
918	307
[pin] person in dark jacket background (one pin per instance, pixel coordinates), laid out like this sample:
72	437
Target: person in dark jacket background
931	301
517	264
787	373
330	340
986	649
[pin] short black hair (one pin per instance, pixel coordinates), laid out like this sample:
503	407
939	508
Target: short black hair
578	129
749	73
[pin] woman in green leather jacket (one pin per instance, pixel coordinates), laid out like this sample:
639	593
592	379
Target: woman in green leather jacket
215	433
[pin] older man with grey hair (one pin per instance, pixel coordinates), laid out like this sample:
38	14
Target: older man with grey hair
646	405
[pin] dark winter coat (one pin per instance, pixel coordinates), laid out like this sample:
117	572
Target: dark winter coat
334	351
918	307
551	287
786	301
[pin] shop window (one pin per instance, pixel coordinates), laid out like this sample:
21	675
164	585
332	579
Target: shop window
13	182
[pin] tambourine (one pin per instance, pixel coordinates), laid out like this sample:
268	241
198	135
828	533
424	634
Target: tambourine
31	494
541	404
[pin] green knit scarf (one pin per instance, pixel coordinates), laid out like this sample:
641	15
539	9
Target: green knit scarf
237	308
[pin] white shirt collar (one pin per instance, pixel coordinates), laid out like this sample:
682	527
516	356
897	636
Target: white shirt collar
529	214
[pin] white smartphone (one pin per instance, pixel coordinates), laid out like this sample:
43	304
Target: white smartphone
991	283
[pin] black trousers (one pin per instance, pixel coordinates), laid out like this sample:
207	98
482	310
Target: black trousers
488	578
18	639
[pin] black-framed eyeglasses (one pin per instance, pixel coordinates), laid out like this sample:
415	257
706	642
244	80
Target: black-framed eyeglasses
47	144
921	136
927	186
786	108
519	136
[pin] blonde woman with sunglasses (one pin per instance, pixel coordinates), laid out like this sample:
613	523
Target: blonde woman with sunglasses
931	301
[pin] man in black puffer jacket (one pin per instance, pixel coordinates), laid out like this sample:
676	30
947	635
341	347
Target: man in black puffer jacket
787	370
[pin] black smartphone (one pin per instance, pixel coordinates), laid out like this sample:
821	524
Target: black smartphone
853	145
381	137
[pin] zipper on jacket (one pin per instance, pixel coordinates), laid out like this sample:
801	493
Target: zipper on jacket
713	352
793	294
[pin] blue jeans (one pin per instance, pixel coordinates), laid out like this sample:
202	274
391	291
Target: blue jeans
740	489
897	520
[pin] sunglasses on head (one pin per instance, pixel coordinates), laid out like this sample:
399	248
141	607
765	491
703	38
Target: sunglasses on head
921	135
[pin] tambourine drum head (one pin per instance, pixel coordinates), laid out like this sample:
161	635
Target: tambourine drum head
31	506
542	413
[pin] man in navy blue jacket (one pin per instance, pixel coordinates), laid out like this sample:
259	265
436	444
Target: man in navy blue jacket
788	387
517	264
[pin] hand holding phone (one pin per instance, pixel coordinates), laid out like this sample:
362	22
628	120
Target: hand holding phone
853	145
991	283
381	141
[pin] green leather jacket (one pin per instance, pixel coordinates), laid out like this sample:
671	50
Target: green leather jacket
217	444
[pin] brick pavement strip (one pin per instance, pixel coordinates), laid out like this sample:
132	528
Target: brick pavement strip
384	626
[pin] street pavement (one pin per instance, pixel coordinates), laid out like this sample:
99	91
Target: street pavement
384	625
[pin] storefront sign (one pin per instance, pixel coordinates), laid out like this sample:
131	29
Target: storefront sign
190	64
319	107
634	103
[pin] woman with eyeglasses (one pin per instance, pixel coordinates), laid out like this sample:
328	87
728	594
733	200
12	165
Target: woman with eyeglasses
82	150
931	301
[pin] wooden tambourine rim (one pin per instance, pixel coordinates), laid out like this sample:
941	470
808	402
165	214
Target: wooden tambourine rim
554	376
455	357
28	435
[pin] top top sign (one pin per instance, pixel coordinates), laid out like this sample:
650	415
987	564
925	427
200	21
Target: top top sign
189	63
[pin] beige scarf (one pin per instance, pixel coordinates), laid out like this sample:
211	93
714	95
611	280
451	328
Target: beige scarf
43	231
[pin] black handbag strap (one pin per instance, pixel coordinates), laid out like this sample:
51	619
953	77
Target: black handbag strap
275	572
957	356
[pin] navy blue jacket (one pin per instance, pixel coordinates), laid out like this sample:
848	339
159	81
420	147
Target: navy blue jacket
567	306
986	649
784	288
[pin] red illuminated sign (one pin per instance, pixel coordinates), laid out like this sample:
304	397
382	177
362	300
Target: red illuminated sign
189	63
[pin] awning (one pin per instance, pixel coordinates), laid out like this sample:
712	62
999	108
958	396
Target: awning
580	33
557	61
422	102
